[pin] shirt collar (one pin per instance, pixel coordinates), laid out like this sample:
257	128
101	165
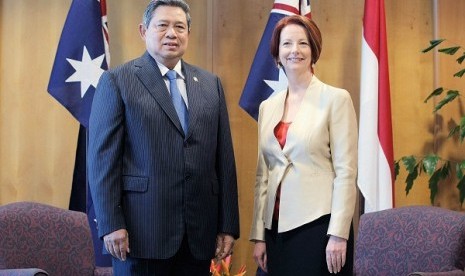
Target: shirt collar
177	68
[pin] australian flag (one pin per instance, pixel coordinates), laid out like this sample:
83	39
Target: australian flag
81	58
264	76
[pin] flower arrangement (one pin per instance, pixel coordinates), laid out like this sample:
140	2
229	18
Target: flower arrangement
223	268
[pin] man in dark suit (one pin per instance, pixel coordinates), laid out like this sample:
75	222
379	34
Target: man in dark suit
161	169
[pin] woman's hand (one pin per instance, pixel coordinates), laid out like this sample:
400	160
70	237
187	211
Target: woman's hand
259	254
336	254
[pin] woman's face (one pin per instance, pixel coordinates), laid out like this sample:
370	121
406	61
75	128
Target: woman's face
295	53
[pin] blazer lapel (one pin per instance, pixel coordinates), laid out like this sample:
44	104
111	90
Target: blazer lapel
149	74
301	125
277	112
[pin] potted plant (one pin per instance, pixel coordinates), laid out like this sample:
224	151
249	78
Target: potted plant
436	167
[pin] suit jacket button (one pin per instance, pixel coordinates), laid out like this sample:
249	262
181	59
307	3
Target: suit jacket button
186	144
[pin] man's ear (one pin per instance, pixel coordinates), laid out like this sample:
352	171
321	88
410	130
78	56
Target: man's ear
142	31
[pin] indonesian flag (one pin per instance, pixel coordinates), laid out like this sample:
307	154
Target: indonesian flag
375	152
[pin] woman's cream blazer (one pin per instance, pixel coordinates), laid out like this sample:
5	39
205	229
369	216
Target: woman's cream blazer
317	167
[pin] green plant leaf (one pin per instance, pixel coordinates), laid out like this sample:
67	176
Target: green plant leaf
436	92
462	129
445	170
412	167
449	50
396	169
409	162
433	185
461	187
433	43
453	131
459	73
411	178
429	163
451	95
438	175
461	58
460	169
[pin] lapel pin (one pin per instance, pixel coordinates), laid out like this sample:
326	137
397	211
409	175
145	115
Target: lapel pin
195	79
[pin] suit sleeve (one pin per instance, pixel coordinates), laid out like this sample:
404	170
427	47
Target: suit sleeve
343	143
226	171
106	129
257	232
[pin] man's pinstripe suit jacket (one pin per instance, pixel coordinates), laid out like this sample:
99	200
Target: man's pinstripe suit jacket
146	176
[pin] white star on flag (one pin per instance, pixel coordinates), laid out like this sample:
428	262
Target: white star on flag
280	84
88	71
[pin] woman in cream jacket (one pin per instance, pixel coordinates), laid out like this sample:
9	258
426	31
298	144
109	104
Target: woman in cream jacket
305	183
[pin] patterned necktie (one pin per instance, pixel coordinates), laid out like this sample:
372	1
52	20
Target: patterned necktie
178	101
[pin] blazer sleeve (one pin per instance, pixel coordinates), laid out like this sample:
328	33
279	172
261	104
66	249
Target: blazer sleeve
343	144
261	182
226	171
104	155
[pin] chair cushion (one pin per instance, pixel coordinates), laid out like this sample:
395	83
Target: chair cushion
404	240
53	239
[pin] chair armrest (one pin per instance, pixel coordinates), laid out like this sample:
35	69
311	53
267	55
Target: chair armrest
456	272
23	272
103	271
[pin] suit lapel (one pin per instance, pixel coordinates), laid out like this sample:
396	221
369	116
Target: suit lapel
149	74
194	95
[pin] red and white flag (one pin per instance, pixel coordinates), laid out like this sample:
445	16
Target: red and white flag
375	151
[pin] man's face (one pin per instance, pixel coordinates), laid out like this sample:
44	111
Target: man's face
167	35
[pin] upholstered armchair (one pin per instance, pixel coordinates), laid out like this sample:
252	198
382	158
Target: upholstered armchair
38	239
415	240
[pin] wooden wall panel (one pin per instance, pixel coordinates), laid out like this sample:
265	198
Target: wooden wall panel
409	28
38	136
450	149
416	130
238	28
124	18
340	23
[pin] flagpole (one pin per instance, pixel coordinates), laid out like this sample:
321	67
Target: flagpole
435	74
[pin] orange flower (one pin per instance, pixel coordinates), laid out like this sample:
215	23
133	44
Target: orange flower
223	268
241	271
215	269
